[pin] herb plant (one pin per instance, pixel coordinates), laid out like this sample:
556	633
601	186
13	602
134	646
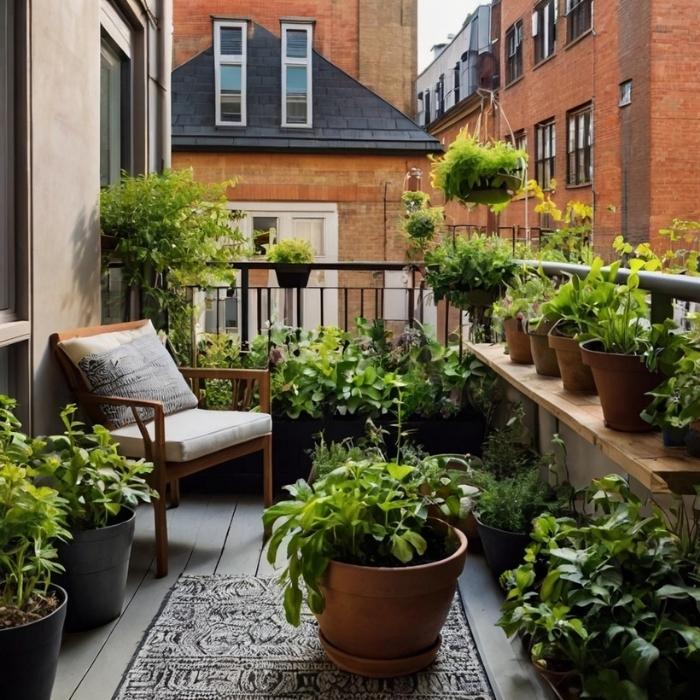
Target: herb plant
365	513
614	597
291	250
94	481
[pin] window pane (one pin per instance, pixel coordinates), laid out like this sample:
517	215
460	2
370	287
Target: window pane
230	77
111	117
310	230
297	43
6	157
231	41
296	95
264	231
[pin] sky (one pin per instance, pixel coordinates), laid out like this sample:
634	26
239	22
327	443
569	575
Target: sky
437	19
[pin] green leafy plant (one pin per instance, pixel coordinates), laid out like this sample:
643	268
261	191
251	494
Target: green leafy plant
420	222
469	166
614	597
92	478
455	268
32	518
291	250
524	296
365	513
170	226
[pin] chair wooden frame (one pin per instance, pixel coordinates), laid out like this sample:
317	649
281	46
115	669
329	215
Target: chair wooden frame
167	474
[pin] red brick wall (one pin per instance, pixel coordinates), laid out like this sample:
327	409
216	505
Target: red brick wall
375	41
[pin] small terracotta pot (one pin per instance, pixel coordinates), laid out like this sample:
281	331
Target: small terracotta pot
575	376
544	357
518	341
623	382
384	622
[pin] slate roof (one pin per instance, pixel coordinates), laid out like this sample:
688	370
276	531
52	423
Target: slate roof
347	116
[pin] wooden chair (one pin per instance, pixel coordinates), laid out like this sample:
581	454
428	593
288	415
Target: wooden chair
155	445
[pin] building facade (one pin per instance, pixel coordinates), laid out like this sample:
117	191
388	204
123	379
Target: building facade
295	100
605	97
83	95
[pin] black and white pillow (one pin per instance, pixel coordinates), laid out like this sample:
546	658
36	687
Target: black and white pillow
140	369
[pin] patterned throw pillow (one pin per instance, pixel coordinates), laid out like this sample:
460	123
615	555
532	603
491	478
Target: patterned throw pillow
141	369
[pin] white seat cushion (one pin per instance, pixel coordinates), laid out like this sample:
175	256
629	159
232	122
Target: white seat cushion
196	432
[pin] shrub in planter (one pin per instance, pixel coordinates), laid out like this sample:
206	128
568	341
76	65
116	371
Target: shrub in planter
628	356
612	597
100	489
475	173
292	258
32	609
357	542
571	309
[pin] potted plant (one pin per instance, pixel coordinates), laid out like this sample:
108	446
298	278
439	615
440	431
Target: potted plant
292	258
627	355
475	173
100	489
32	608
362	551
569	311
420	222
609	600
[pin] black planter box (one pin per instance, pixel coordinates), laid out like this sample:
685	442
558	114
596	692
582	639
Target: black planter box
293	441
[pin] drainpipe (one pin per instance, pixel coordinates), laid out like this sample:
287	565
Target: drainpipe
165	35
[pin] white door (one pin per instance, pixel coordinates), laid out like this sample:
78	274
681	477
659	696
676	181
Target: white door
266	223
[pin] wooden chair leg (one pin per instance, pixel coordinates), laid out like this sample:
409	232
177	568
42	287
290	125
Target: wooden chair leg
267	475
175	493
161	527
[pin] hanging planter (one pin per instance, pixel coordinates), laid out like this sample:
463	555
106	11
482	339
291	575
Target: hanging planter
292	258
292	275
475	173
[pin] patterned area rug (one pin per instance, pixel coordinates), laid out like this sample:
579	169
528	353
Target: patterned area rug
222	637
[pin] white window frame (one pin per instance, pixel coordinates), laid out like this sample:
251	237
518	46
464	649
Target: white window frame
227	60
308	62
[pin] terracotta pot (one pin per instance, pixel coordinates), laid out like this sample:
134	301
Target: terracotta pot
623	382
544	357
575	376
518	341
384	622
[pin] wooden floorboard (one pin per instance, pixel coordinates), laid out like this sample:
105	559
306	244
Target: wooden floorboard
244	540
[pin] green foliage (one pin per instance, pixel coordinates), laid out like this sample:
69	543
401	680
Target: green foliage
31	519
169	225
291	250
576	304
421	221
94	480
414	201
615	596
367	513
464	265
524	296
469	165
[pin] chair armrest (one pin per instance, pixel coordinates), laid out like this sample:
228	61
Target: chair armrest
248	377
154	448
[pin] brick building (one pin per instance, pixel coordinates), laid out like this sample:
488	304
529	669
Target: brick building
302	103
606	97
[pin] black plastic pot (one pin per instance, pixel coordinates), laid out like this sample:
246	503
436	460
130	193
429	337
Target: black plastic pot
29	655
692	440
675	437
503	550
96	566
292	275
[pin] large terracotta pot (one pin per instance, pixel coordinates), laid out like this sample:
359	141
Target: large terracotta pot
518	341
623	382
575	376
384	622
544	356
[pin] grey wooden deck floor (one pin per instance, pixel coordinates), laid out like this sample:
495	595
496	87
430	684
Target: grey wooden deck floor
223	534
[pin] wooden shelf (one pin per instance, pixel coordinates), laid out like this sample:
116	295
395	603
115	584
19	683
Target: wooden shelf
641	455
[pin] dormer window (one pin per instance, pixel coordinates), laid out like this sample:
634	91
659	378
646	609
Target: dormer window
230	72
297	101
